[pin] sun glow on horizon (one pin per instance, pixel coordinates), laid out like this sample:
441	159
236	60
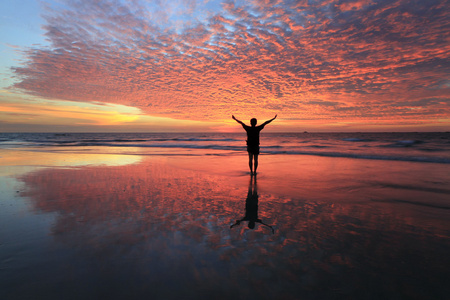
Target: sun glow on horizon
18	109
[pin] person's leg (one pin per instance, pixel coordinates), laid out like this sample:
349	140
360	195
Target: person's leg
250	158
255	157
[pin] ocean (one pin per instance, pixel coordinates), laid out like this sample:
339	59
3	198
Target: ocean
432	147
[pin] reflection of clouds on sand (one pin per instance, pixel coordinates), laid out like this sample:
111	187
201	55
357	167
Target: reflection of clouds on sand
146	196
155	227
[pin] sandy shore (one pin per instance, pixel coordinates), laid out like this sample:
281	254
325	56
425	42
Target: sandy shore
92	225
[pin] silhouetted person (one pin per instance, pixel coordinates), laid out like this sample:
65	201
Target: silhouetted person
251	207
253	141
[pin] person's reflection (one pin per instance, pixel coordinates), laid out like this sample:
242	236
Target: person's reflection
251	207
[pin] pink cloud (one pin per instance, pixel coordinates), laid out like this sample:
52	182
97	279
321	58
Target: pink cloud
354	5
371	59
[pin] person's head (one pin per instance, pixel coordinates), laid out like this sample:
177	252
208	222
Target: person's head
253	122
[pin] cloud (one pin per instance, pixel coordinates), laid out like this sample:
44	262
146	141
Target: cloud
239	57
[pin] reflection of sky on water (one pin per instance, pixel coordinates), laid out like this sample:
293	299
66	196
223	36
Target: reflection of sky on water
155	229
13	162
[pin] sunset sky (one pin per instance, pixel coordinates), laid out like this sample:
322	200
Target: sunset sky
186	65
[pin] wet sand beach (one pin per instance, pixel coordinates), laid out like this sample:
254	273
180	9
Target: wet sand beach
91	224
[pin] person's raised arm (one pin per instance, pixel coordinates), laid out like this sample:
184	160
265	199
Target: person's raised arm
240	122
268	121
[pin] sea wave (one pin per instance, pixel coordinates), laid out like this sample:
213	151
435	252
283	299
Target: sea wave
173	145
405	143
98	141
356	140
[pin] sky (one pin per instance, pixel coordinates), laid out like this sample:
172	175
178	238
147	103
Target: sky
186	65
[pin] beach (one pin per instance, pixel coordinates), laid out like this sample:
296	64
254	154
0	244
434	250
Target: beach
92	221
